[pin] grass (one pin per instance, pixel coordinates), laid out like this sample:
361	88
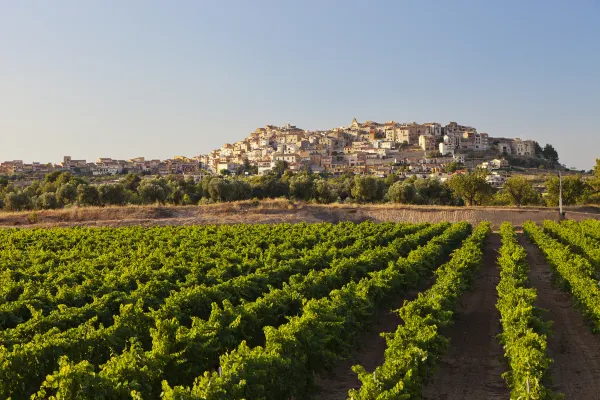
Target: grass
282	210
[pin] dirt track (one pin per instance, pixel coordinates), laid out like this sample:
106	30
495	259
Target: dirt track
575	350
473	365
334	385
276	211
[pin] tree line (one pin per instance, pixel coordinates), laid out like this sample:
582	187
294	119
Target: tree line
62	189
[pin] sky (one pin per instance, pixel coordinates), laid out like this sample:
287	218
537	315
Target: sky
128	78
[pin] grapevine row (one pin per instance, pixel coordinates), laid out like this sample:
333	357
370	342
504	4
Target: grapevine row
312	341
572	236
574	270
26	362
414	350
523	336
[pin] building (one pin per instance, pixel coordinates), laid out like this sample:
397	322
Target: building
427	142
495	179
523	147
446	149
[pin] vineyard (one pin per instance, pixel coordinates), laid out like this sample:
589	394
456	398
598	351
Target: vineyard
301	311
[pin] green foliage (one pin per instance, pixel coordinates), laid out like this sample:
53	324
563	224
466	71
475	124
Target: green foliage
416	347
574	190
112	194
102	287
220	189
576	272
420	191
279	168
367	188
550	154
17	201
453	166
66	193
520	192
47	201
88	195
324	192
152	192
302	187
523	332
471	186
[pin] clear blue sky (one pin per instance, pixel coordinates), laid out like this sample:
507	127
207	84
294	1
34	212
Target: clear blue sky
126	78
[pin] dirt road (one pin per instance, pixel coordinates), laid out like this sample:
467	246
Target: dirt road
473	365
575	350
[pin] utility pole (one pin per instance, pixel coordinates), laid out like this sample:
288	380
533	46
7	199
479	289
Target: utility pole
560	201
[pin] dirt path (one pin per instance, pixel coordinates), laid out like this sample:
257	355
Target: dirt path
473	365
334	385
576	351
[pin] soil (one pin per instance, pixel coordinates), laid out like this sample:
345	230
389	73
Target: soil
575	350
335	384
277	211
473	364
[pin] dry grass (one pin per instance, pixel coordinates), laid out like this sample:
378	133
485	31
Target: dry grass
281	210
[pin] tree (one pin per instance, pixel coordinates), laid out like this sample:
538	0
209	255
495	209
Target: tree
220	189
519	191
152	192
279	168
403	192
324	192
66	193
52	176
47	201
112	194
247	168
131	182
431	191
391	179
470	185
574	190
16	201
367	188
453	166
87	195
302	187
342	185
63	178
268	186
539	152
550	154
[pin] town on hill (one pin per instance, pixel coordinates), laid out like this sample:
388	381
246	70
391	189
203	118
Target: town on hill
376	148
368	148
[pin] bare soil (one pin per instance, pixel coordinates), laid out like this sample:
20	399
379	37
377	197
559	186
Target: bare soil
575	350
473	365
276	211
335	384
370	352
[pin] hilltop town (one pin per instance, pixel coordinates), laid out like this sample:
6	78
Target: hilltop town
423	150
369	148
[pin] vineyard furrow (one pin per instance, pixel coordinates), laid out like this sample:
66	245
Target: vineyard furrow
415	348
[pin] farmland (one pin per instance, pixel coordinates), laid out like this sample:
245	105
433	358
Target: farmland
322	310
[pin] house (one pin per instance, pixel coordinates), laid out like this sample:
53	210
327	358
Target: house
427	142
523	147
433	129
504	147
495	179
446	148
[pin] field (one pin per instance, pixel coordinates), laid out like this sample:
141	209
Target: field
281	210
299	311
